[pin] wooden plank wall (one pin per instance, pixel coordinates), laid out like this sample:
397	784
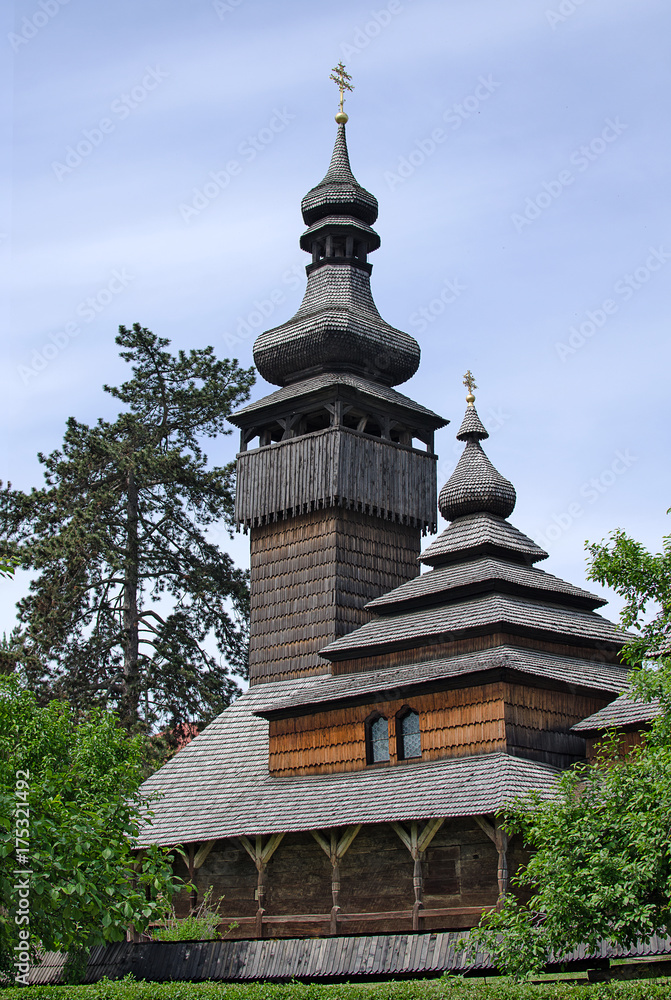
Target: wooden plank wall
453	723
310	579
336	467
376	875
538	721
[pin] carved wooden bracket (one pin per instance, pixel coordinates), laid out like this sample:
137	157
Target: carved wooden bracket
499	837
261	854
417	842
195	859
335	848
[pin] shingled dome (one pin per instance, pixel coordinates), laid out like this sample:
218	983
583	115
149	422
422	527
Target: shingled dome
339	192
475	486
338	327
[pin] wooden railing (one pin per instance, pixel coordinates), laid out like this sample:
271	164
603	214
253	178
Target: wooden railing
333	921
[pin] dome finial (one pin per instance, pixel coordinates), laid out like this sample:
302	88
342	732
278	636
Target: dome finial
340	76
469	382
475	486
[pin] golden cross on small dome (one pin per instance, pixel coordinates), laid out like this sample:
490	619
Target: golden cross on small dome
340	76
469	382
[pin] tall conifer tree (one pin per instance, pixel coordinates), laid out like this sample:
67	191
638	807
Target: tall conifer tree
128	585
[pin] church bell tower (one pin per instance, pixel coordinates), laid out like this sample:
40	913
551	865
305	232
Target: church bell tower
336	474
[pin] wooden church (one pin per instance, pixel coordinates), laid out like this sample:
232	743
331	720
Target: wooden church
354	788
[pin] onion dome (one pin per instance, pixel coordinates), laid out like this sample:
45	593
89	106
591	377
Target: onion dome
339	193
475	486
337	327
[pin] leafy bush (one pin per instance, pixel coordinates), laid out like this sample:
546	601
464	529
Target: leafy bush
77	779
201	925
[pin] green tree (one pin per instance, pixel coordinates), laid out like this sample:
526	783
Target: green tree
8	560
128	585
70	811
601	862
644	581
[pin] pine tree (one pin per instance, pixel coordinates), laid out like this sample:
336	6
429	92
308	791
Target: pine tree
128	586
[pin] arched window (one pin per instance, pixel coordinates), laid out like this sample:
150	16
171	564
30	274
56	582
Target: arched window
377	739
408	737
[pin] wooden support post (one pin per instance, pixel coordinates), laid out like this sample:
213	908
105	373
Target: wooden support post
417	843
261	855
336	848
195	860
499	838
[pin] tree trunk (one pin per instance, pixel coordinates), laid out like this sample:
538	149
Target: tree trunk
131	674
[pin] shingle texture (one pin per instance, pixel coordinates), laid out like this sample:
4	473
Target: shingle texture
624	711
482	615
340	224
337	327
339	191
451	582
474	486
472	427
391	680
219	785
300	392
482	533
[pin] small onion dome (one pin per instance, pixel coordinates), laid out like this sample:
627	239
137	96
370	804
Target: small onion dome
475	486
339	193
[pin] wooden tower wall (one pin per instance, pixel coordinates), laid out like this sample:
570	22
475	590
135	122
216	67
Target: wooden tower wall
311	576
336	467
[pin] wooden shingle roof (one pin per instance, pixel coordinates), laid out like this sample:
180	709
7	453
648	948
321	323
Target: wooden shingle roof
481	534
621	713
395	681
353	386
480	615
455	580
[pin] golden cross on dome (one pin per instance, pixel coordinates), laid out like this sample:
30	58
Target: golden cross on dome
469	382
340	76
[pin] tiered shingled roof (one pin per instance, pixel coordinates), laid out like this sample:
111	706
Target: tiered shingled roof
220	786
483	581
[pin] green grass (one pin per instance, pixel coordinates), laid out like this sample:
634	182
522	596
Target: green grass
447	988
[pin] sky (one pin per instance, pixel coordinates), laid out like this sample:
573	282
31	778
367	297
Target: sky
155	158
